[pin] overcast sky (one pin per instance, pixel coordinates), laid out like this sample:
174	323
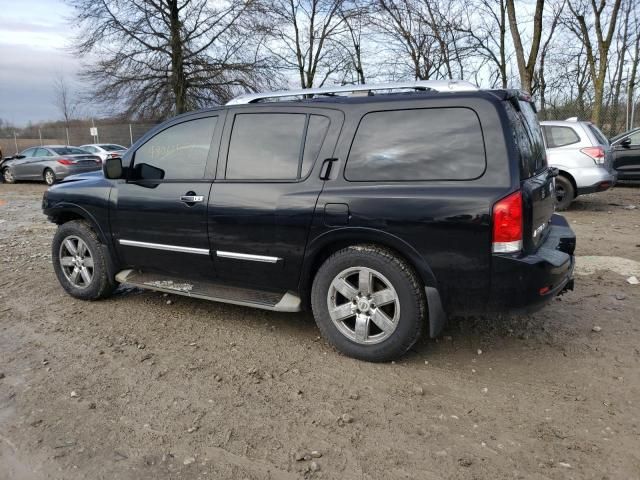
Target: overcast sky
33	36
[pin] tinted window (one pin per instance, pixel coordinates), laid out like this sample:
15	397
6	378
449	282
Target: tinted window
69	151
528	138
560	136
316	131
177	153
89	149
265	146
425	144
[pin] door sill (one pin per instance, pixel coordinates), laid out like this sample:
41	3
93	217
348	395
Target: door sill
279	302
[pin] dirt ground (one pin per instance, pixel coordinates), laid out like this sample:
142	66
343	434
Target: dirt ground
135	387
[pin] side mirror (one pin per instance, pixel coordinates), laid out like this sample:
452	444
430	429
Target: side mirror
112	168
626	142
18	157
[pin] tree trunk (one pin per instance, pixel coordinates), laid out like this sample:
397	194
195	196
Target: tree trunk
178	78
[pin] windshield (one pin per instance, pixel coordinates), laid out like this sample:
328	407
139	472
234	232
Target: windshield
69	151
113	148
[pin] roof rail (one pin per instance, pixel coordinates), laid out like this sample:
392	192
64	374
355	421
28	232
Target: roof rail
437	85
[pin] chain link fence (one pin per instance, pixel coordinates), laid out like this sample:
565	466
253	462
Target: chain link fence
77	133
613	120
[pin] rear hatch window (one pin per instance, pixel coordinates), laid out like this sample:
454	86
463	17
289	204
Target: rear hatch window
602	140
536	182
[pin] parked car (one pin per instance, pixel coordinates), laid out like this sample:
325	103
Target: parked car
382	213
626	154
582	155
49	163
105	150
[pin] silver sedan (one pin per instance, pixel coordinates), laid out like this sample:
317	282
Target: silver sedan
49	163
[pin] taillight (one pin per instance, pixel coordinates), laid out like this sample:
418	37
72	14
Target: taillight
65	161
596	153
113	155
507	224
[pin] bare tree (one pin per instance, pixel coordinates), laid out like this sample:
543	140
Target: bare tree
598	54
63	99
526	62
157	57
303	36
546	45
486	28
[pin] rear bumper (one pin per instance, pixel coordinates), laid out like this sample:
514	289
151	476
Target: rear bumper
528	282
596	179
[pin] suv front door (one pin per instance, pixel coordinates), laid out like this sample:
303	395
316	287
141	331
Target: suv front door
159	219
627	156
268	182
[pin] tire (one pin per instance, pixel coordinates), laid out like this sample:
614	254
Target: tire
49	176
8	176
359	335
97	283
565	193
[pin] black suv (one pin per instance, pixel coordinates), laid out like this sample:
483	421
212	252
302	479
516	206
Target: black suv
383	213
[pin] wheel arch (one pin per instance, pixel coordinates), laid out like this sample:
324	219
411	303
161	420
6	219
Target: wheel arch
323	246
67	212
569	177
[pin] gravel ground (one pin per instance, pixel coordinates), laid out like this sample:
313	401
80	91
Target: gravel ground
138	387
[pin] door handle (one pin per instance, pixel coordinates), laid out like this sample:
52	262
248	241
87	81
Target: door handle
325	170
192	198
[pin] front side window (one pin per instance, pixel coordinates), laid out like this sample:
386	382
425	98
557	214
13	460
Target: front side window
42	152
560	136
635	138
273	146
29	152
421	144
177	153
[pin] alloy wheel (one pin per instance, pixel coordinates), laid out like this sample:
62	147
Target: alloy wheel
49	177
363	305
76	261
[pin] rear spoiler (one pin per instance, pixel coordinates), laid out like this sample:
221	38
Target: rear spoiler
514	96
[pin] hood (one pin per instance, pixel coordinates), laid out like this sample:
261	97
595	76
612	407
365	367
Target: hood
83	176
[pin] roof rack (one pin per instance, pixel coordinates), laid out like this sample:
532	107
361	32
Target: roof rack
436	85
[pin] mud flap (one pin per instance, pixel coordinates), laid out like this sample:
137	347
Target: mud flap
437	316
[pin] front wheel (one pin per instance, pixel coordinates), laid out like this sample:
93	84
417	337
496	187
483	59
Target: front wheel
80	261
368	303
8	176
565	193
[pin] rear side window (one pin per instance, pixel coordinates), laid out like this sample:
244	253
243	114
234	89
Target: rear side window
559	136
602	140
177	153
421	144
527	136
274	146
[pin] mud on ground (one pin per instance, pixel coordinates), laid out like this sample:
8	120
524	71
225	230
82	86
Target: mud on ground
136	388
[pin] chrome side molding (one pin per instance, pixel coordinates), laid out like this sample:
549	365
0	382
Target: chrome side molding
162	246
247	256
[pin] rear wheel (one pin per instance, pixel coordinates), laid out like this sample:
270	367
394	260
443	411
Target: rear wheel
8	176
565	193
368	303
80	262
49	176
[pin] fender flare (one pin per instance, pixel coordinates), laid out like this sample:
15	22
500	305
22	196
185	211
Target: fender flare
339	237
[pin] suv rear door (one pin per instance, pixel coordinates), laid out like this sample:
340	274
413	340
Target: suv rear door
159	213
536	179
266	189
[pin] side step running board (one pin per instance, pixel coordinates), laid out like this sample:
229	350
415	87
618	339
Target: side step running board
279	302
